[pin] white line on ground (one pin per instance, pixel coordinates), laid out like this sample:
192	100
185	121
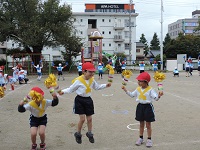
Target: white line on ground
185	99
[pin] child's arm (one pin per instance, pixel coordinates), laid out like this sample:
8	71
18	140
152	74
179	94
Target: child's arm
21	107
55	100
131	94
71	89
97	86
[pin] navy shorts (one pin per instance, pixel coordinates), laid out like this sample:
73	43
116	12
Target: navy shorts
60	73
35	122
187	69
83	105
145	112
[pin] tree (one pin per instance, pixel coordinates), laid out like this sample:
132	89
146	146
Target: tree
197	28
155	44
144	41
36	23
166	43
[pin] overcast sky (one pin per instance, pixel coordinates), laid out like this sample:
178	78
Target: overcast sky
148	20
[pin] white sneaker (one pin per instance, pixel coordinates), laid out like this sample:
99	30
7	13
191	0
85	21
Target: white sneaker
139	142
149	143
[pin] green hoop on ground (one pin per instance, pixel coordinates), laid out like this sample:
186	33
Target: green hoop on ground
128	126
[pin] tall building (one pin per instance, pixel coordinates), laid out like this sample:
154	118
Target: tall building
112	21
185	26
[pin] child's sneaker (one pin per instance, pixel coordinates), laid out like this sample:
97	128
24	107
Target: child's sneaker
78	137
34	147
90	137
149	143
42	146
139	142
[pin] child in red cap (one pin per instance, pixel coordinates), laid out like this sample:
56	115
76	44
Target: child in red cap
83	104
145	95
38	117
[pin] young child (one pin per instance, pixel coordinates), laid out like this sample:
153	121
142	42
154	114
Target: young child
199	66
155	66
2	79
145	95
100	70
38	117
83	104
176	72
10	80
79	68
60	68
39	70
142	65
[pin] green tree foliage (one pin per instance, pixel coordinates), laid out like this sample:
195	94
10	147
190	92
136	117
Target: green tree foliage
197	28
155	44
183	44
144	41
37	23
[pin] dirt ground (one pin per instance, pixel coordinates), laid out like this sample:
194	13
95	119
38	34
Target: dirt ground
114	127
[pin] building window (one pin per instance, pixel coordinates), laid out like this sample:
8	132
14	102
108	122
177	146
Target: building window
102	20
56	58
137	50
109	20
81	20
126	45
109	44
103	44
81	32
126	34
109	32
102	32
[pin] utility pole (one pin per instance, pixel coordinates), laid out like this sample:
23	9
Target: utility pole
161	37
130	32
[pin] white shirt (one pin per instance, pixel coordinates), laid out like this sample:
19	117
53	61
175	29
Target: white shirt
151	96
80	88
35	112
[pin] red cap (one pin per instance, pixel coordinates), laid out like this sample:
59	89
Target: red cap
144	76
154	62
88	66
38	90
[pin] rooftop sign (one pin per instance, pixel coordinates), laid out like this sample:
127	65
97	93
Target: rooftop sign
109	6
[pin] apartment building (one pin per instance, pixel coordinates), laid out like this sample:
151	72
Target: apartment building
112	21
185	26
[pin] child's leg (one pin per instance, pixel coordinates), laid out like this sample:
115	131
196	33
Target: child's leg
33	134
141	129
42	133
89	123
149	130
80	123
89	134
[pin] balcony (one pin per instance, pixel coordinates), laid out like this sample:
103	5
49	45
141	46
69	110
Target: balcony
118	26
118	38
119	50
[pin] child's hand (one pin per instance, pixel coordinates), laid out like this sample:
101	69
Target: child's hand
54	94
108	84
60	92
124	88
21	102
160	94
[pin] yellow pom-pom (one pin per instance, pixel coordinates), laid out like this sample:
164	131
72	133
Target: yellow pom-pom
127	73
159	76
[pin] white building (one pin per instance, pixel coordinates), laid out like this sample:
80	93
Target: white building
112	21
185	26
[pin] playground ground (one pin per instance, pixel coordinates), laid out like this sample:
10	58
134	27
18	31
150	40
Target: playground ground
176	127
